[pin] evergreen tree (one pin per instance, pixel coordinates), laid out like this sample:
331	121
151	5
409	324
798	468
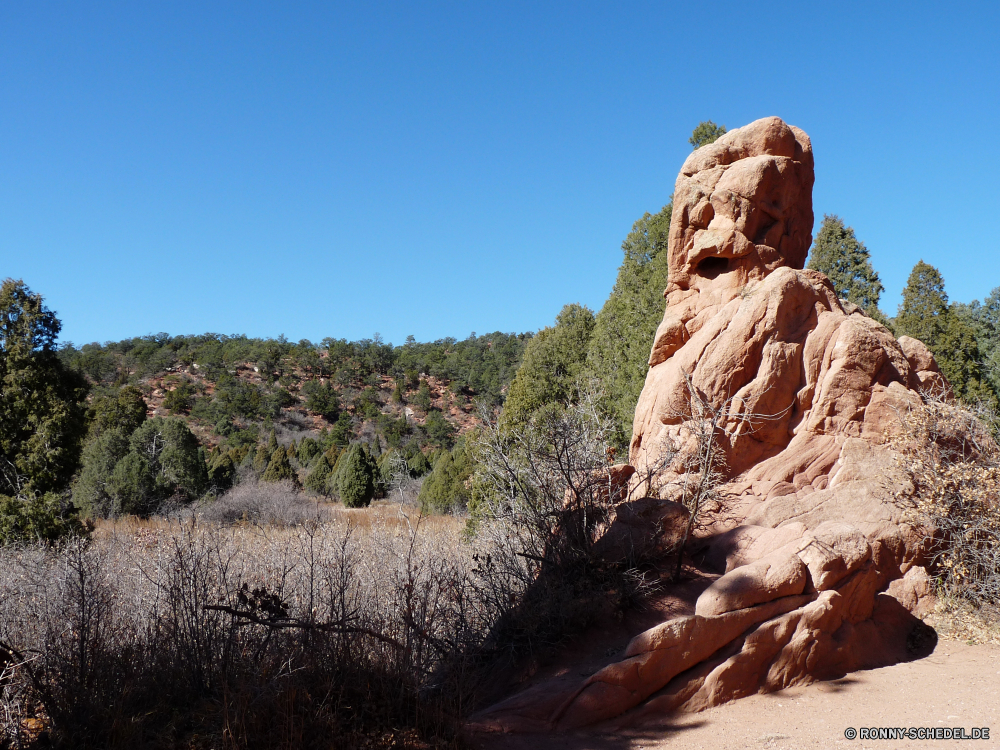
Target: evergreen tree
355	476
261	458
625	326
924	311
423	398
951	332
42	415
987	316
125	411
222	469
279	468
307	451
553	361
37	518
706	132
847	263
318	477
447	487
134	474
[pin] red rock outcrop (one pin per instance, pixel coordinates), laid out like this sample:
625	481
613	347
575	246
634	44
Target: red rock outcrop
807	386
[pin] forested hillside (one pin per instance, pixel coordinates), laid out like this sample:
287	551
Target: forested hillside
154	422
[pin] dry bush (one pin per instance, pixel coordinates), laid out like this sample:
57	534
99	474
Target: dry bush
543	497
200	635
953	461
269	503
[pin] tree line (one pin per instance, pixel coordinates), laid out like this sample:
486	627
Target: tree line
76	432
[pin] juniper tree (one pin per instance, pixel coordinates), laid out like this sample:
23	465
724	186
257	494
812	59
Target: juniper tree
553	361
42	416
279	468
923	312
624	328
846	261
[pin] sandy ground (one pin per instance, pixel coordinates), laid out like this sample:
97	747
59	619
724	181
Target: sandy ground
956	686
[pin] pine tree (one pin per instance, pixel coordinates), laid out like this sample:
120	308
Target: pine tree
951	332
553	361
846	262
706	132
624	328
924	311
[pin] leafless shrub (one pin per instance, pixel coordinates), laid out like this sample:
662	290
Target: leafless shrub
544	495
953	461
174	635
269	503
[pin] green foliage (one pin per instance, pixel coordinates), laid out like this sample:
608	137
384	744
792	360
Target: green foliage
847	263
280	468
262	457
484	364
423	398
924	310
951	332
134	474
987	318
124	411
42	416
37	518
321	399
553	361
706	132
343	430
222	469
307	451
447	487
318	478
439	430
178	400
626	325
355	476
418	464
960	359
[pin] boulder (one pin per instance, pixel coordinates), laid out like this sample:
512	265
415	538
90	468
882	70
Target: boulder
779	574
822	574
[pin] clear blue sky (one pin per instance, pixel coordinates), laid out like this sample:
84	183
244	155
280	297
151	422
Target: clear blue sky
439	168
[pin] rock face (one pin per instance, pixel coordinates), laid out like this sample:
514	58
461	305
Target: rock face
805	387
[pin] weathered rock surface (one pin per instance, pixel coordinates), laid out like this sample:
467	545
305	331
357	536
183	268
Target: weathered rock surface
807	387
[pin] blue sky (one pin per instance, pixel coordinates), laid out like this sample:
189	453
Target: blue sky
439	168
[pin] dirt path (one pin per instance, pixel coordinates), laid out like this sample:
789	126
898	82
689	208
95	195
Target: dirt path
956	686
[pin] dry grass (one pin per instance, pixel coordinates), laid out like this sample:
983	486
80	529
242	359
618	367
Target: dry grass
362	630
958	620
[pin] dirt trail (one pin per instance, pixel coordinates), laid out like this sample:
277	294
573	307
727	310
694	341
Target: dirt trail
956	686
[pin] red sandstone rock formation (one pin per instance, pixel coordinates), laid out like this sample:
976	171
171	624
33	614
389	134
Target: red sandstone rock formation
811	386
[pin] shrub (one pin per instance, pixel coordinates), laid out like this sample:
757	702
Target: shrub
953	460
135	473
447	487
37	518
272	503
